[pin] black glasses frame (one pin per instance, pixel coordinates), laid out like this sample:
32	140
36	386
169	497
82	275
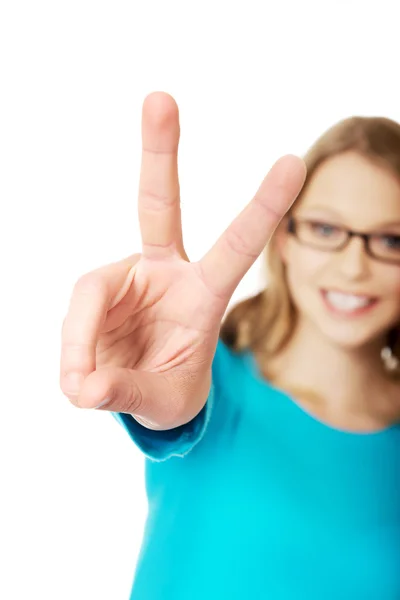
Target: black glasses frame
365	237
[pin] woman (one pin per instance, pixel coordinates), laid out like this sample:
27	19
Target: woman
272	443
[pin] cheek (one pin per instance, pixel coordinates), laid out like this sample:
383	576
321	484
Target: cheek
305	266
388	281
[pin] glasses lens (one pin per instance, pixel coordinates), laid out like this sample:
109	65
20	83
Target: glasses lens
321	235
385	246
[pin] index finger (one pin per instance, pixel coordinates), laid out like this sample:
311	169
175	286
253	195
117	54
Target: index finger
243	241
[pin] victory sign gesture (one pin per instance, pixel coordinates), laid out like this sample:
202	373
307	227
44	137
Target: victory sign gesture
140	334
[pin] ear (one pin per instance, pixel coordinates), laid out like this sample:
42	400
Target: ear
281	237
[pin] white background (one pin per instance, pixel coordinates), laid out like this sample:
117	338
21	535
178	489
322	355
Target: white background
253	80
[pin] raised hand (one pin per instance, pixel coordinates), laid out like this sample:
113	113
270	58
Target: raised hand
140	334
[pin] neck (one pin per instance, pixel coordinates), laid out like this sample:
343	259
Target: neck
341	382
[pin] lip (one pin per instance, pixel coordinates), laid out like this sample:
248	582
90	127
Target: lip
358	312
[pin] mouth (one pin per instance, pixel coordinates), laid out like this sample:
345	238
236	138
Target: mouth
348	305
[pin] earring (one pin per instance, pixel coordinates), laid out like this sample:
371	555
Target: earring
390	360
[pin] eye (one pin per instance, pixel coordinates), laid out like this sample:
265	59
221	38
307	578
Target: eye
324	229
392	242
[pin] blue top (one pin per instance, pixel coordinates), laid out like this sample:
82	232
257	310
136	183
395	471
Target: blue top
256	499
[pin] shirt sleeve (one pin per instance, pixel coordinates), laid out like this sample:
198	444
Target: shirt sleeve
162	445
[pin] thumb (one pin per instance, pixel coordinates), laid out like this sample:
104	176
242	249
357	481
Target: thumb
154	398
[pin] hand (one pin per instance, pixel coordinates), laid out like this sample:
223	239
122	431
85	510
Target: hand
140	334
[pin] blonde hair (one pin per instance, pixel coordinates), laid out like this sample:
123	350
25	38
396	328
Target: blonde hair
263	323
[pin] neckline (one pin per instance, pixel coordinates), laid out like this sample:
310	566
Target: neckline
252	363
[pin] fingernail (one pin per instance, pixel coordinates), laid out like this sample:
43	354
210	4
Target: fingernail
105	401
73	383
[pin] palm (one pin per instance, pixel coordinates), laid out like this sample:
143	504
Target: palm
167	319
144	331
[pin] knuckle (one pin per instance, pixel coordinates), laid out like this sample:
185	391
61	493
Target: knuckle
238	243
203	278
266	205
90	282
73	398
130	400
75	349
155	201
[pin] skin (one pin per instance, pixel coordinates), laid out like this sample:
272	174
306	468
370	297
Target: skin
140	335
332	365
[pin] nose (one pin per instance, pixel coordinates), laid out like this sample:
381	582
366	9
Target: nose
353	261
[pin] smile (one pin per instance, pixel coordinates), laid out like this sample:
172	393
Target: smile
347	304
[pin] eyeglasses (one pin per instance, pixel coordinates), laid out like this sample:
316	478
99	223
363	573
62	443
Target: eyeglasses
333	238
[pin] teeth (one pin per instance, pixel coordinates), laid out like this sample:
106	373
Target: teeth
347	302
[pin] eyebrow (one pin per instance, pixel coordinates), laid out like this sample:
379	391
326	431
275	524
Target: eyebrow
329	213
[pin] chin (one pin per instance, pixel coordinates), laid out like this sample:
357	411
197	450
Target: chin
349	338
